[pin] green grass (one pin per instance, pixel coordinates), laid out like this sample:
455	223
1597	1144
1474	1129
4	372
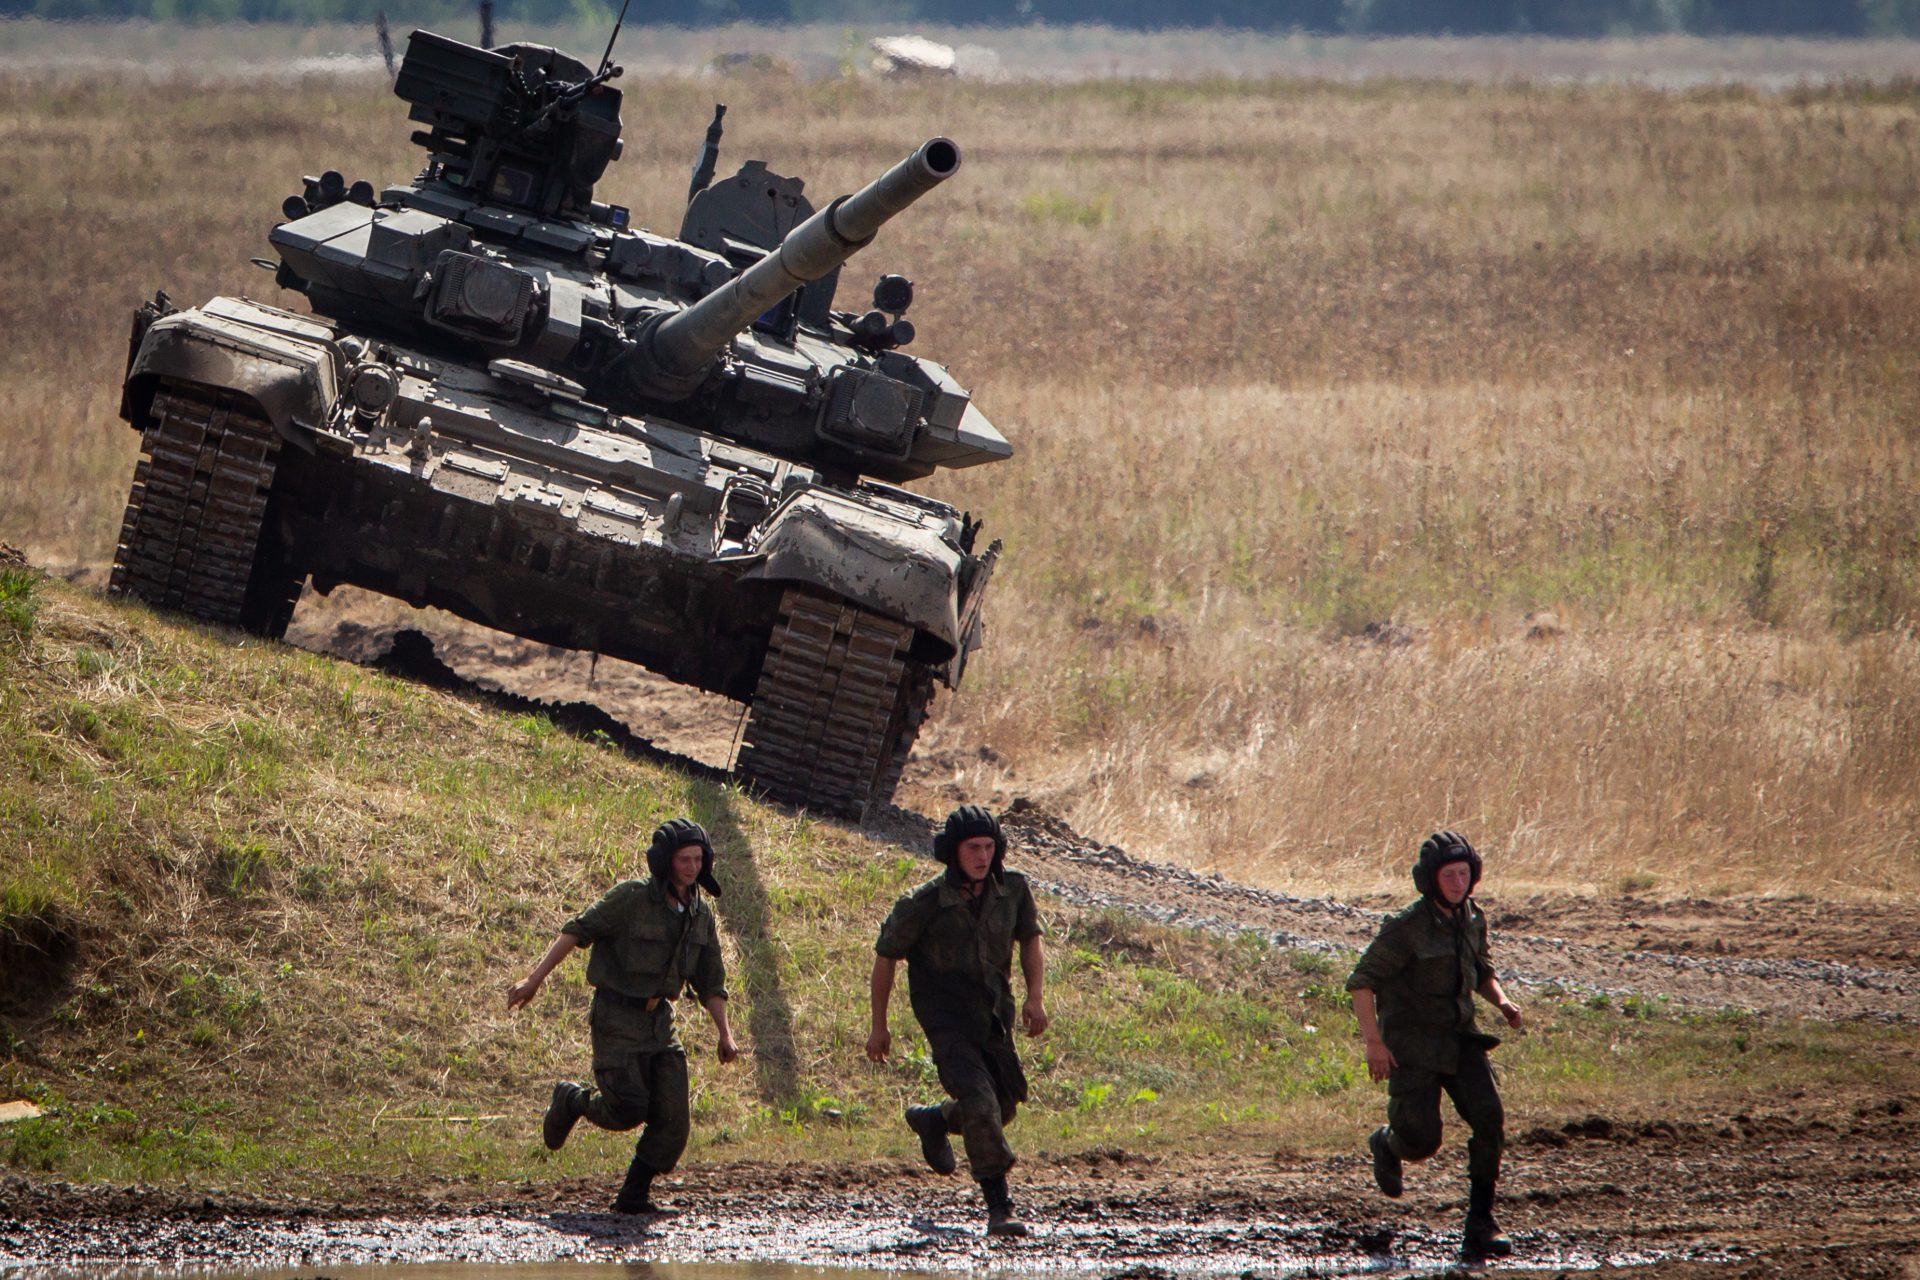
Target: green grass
294	892
17	604
1090	213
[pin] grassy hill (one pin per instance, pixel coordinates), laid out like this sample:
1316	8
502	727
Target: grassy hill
259	909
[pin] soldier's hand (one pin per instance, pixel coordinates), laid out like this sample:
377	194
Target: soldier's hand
728	1049
879	1044
1035	1017
521	992
1511	1012
1380	1061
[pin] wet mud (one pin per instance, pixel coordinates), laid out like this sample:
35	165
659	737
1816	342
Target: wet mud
1803	1191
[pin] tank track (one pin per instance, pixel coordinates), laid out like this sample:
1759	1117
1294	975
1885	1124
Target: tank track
916	696
191	538
837	707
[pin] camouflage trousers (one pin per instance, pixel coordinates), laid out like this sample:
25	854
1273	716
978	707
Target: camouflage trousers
640	1078
1413	1111
986	1086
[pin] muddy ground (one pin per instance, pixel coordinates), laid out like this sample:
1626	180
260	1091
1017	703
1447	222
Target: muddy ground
1792	1186
1802	1190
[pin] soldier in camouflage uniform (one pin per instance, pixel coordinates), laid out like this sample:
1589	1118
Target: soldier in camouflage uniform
657	937
1413	996
957	934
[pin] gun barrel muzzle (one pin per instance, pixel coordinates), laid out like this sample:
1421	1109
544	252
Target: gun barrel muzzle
863	213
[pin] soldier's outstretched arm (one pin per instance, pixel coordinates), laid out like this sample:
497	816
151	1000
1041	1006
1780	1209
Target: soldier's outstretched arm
880	993
525	989
1033	964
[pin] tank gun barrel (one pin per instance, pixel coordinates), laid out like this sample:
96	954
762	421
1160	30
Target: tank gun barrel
679	348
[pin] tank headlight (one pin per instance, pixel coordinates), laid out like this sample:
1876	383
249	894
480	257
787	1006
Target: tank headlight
373	387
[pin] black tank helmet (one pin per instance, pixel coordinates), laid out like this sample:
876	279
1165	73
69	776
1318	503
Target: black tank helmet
964	823
1436	851
675	834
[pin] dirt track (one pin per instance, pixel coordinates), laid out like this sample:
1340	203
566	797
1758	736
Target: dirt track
1808	1188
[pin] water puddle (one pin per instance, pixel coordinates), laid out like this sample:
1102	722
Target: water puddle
594	1246
457	1271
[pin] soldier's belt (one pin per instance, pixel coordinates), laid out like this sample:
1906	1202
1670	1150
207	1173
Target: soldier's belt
645	1003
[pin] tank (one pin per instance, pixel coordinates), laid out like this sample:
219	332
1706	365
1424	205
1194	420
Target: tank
504	401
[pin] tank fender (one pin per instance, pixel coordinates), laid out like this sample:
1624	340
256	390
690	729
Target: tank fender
294	376
842	548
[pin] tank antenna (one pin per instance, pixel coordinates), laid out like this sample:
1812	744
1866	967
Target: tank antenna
606	59
386	40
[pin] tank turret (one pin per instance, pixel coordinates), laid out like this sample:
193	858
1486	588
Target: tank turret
511	404
499	247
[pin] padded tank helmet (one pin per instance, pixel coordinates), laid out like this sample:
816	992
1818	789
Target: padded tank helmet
674	835
1436	851
964	823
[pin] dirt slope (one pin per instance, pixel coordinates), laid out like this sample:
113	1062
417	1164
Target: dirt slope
1787	957
1798	957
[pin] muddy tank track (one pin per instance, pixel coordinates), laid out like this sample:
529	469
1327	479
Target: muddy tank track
191	538
916	697
837	707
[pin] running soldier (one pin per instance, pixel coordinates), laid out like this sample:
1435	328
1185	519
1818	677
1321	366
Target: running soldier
957	934
1413	997
657	938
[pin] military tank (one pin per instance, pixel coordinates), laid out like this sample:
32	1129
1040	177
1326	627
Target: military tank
509	403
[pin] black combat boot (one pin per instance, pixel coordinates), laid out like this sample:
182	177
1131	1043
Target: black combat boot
931	1124
1482	1238
636	1193
569	1102
1386	1164
1000	1219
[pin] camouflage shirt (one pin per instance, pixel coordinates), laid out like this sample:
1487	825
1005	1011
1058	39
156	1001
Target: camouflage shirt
959	952
1423	968
648	947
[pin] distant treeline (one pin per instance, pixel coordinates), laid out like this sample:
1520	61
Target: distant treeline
1577	18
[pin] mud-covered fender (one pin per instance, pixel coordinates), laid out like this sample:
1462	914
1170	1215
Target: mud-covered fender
287	363
841	547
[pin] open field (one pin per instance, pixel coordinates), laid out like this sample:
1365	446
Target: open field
1061	54
1534	461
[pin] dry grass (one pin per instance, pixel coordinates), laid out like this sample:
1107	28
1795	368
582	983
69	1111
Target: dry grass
1289	366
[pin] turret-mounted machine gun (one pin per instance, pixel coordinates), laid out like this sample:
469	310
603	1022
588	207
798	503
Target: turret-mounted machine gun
512	404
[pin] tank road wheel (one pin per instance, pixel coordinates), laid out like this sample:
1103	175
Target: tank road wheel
191	539
837	707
